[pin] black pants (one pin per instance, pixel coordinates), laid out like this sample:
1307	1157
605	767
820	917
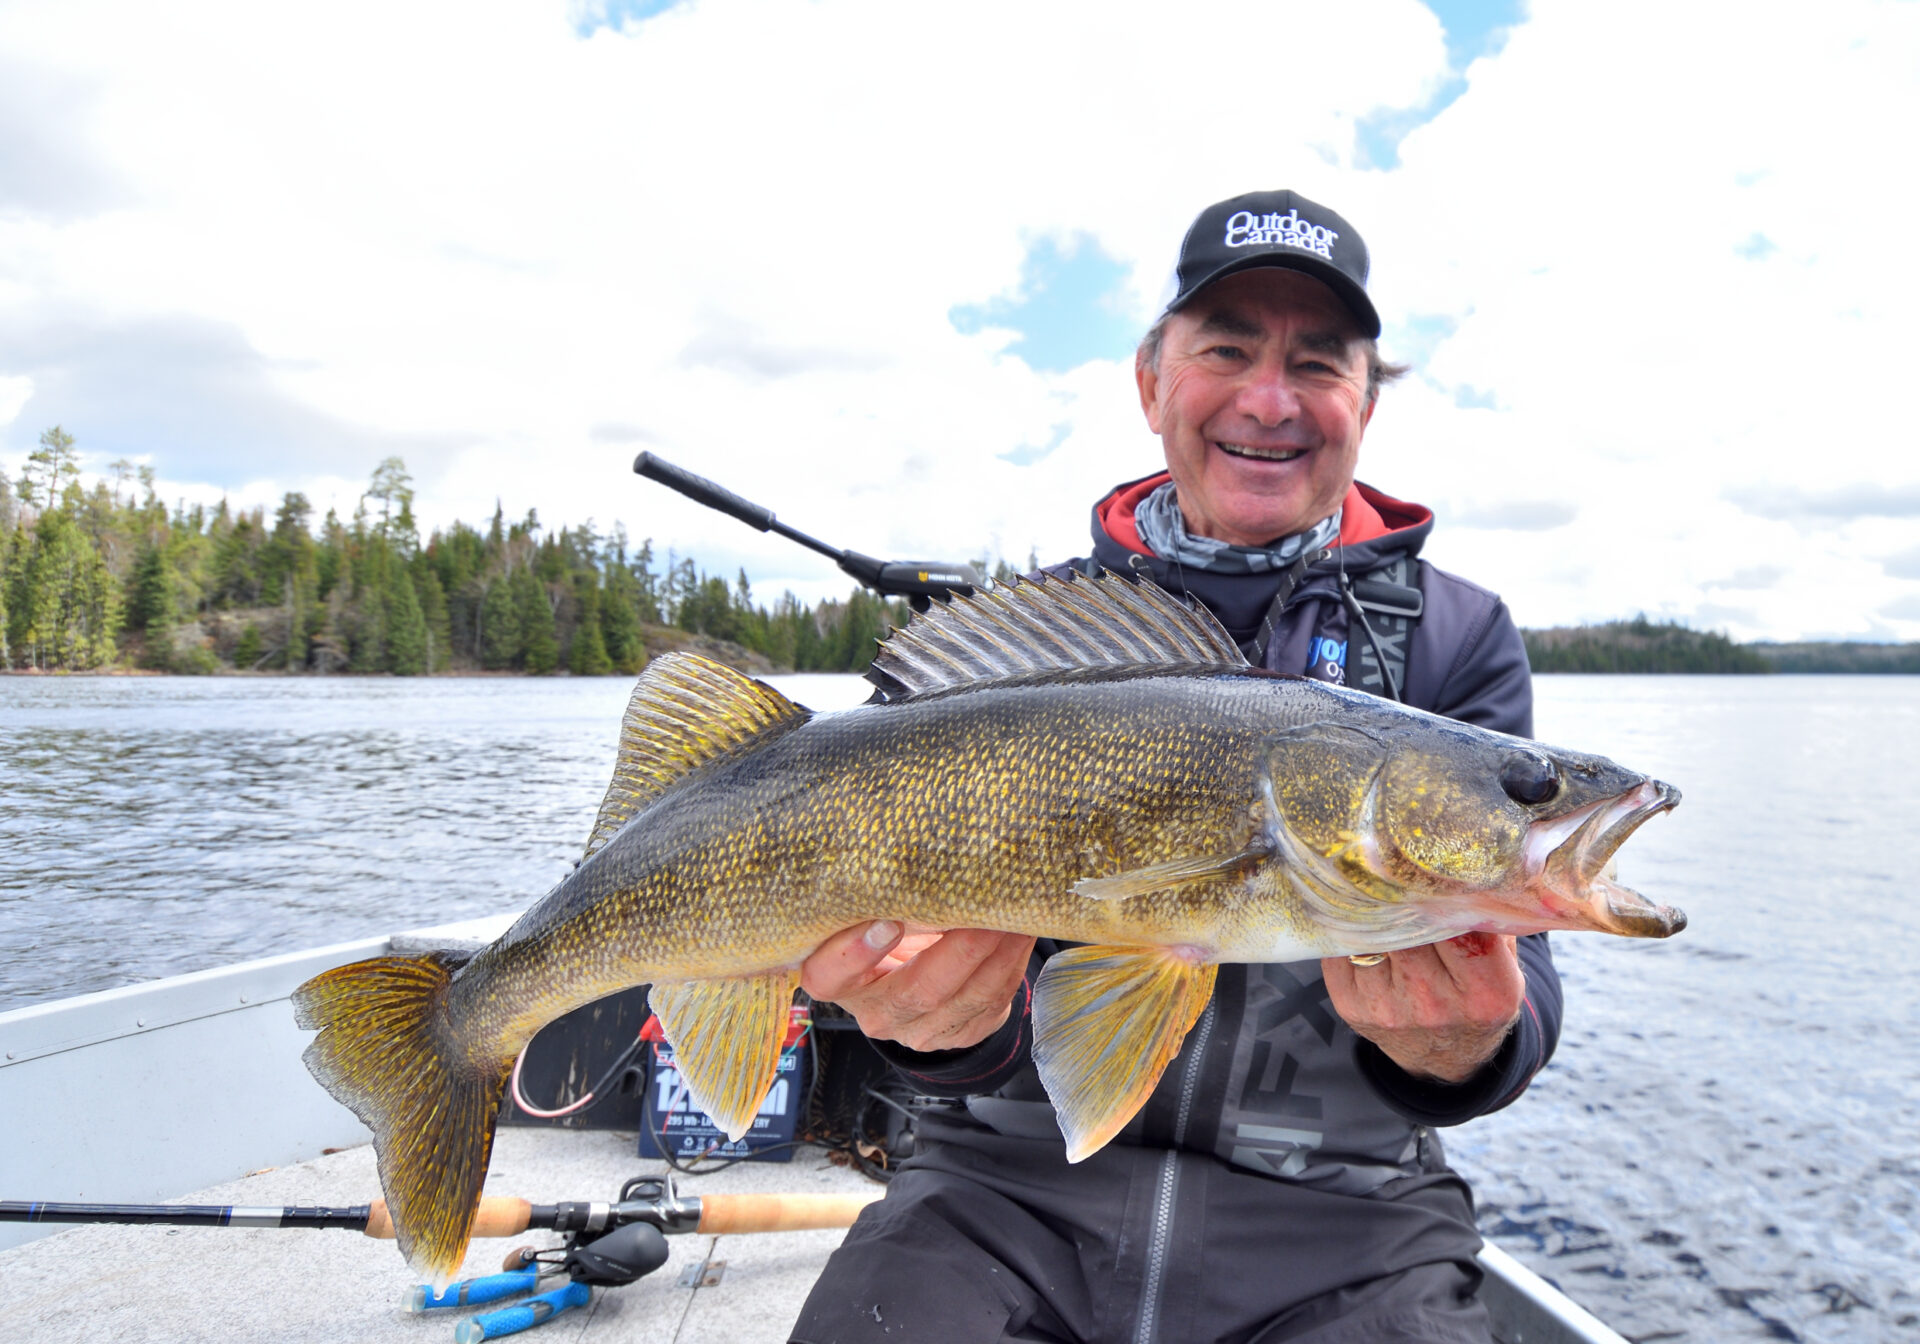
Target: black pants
976	1245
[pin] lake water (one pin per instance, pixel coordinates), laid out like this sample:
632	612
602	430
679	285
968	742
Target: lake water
1726	1147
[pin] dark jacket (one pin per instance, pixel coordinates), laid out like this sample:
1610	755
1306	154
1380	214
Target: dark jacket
1466	660
1283	1179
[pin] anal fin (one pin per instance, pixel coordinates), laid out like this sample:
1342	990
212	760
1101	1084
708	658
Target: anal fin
726	1037
1106	1023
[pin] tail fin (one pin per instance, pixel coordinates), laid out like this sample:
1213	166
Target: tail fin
383	1052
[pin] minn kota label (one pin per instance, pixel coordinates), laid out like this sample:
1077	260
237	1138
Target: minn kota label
674	1127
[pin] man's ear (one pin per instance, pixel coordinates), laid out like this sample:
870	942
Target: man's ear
1147	379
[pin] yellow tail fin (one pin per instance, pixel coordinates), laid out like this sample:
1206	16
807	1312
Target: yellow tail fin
383	1053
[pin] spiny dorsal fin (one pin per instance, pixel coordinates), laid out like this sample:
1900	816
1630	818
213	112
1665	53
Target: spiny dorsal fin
685	712
1048	624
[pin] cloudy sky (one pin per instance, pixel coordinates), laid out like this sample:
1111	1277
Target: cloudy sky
880	266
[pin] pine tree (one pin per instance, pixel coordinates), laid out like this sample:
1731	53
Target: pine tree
588	655
150	604
499	626
620	622
433	612
6	549
539	649
47	465
366	600
64	605
406	628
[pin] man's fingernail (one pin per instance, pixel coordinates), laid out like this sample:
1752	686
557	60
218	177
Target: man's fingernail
881	935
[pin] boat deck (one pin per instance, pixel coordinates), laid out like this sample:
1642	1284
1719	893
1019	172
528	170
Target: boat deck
184	1285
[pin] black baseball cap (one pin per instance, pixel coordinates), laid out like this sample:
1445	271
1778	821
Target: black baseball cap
1276	228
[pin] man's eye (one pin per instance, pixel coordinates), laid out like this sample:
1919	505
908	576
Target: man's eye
1228	352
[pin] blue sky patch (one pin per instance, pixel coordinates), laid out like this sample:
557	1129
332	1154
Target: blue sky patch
1414	340
1029	453
1758	247
1474	28
593	15
1071	307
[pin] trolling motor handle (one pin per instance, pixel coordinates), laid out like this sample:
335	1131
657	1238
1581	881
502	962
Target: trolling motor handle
920	581
703	491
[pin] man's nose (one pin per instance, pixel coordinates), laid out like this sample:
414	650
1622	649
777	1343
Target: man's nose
1266	396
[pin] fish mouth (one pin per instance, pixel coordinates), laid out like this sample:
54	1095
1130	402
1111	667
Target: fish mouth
1573	859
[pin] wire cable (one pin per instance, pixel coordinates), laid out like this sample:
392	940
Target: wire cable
586	1099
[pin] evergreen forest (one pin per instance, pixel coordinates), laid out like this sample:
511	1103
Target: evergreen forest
109	576
1638	645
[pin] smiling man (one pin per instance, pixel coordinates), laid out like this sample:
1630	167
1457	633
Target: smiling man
1284	1182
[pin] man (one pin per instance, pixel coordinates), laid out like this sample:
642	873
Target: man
1283	1182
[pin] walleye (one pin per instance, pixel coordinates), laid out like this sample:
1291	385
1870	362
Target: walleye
1088	760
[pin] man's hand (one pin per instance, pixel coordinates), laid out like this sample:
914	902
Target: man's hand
928	991
1439	1011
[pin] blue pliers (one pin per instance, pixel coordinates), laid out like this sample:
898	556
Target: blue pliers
511	1320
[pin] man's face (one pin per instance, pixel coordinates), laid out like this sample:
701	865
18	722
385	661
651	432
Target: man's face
1260	402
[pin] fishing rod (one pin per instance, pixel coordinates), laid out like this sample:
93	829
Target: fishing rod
919	581
655	1203
609	1243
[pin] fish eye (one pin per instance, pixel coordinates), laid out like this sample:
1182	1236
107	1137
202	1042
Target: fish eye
1529	779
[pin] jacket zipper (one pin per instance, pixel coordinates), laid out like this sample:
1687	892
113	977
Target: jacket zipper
1145	1332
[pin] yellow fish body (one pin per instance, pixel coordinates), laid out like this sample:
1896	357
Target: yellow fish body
1084	760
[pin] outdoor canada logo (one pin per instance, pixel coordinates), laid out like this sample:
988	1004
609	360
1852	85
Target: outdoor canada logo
1246	229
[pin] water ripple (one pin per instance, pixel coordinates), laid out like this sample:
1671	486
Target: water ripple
1727	1146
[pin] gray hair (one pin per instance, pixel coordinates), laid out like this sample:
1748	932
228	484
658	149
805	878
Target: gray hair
1379	371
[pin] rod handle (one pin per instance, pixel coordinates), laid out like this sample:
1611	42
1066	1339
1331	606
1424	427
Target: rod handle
780	1213
702	491
497	1216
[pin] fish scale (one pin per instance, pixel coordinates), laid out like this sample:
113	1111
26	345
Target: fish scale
1051	760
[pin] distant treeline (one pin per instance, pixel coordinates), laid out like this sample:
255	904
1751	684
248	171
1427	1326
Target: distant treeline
1641	645
111	576
1839	657
1638	645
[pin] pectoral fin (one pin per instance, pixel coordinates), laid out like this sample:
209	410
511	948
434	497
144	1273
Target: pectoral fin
1174	873
726	1037
1106	1022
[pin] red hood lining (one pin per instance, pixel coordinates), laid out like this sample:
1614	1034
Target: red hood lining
1365	514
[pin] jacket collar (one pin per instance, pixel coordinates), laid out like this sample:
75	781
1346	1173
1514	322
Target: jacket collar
1367	515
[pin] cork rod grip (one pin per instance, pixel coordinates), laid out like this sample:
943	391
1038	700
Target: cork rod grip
780	1213
498	1216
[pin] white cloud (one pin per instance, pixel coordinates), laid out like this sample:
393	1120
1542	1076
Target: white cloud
732	233
14	393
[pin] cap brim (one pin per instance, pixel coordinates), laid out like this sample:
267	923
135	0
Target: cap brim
1335	279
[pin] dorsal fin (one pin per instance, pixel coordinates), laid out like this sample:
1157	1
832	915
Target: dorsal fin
685	711
1048	624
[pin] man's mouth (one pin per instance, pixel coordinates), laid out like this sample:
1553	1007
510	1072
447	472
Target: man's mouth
1260	454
